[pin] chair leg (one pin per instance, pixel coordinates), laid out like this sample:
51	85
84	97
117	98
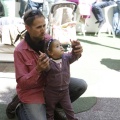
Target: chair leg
83	29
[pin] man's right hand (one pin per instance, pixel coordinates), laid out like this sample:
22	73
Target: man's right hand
43	62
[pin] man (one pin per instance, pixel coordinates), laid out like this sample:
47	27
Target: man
98	12
29	65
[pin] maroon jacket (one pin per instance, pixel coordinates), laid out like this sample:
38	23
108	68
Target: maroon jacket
59	78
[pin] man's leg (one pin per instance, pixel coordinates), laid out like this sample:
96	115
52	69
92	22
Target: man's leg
31	112
76	88
23	111
10	110
20	113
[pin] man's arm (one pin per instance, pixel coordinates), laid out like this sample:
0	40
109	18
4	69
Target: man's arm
28	72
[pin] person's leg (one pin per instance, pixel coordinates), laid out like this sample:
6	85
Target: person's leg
98	11
20	113
94	10
10	110
51	99
34	5
31	5
46	9
115	18
67	106
31	112
40	6
76	88
22	7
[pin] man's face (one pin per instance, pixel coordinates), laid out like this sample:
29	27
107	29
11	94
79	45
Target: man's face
37	29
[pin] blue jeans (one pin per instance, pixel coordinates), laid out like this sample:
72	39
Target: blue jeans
31	112
22	7
97	9
38	112
34	5
28	4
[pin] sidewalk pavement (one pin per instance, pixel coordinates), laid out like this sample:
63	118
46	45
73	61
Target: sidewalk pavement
99	66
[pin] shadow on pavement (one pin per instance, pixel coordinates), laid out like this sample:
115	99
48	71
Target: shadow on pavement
111	63
7	95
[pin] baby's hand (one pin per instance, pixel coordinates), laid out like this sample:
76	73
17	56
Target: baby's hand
74	43
77	48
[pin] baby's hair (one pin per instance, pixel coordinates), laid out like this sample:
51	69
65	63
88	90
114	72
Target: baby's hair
48	45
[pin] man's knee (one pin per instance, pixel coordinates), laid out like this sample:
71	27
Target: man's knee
77	88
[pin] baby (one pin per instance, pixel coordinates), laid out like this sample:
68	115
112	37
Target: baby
58	78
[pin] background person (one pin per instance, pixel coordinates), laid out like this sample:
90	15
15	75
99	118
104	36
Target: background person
98	11
34	4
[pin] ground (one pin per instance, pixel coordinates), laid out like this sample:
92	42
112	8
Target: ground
99	66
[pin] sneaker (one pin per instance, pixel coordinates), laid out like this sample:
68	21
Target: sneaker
10	110
96	22
59	114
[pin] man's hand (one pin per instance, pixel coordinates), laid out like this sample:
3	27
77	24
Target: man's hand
77	48
43	62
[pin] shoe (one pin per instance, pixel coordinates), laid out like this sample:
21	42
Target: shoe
20	14
59	114
101	23
10	110
96	22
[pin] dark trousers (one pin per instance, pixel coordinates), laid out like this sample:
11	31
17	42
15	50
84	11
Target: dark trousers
76	88
34	5
22	7
53	97
98	11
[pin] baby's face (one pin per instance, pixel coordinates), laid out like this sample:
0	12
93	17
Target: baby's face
57	50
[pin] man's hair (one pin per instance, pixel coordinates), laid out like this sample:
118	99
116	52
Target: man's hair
30	15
